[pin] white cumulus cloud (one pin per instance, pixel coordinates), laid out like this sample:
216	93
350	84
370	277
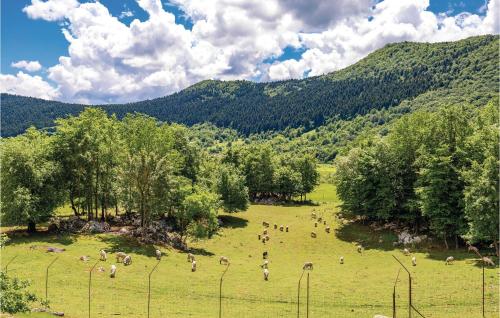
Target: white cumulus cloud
27	85
110	61
50	10
30	66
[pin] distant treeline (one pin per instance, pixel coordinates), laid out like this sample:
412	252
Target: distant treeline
436	170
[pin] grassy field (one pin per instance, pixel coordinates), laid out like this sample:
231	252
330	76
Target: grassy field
361	287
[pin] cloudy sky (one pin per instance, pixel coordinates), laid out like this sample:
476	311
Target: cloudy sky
112	51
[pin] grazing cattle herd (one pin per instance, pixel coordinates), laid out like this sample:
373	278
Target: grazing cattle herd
265	237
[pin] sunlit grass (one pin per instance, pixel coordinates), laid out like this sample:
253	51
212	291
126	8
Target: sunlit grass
361	287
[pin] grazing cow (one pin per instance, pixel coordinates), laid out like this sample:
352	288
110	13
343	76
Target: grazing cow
313	215
264	232
406	252
158	254
103	255
474	249
265	224
127	260
315	224
286	229
258	236
308	266
313	234
341	259
327	229
120	256
190	257
449	260
266	274
275	226
193	266
264	255
223	260
488	261
265	264
360	249
112	272
414	261
282	228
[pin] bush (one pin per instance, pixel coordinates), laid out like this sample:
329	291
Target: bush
14	296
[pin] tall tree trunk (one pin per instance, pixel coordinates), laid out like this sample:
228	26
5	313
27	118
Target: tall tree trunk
89	204
72	201
96	191
31	227
456	242
446	242
496	248
103	200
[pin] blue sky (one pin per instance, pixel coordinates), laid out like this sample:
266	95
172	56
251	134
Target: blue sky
207	39
27	39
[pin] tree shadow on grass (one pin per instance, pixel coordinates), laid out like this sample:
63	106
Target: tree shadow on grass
356	232
362	234
121	243
292	203
41	237
460	254
199	251
230	221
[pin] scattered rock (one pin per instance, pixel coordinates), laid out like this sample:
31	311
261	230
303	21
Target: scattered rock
96	227
158	232
51	249
73	224
406	238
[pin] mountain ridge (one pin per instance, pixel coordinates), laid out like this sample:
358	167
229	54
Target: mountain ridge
384	78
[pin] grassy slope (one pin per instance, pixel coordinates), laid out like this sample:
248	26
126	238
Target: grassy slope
361	287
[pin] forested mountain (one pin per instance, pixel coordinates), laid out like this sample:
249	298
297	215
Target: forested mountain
393	75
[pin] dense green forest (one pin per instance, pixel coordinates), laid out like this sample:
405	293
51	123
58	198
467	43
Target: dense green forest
435	170
393	75
99	165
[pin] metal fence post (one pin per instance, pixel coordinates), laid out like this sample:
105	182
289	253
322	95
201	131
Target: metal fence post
409	285
220	290
47	280
90	282
307	301
394	295
482	264
7	266
298	294
149	284
410	303
409	295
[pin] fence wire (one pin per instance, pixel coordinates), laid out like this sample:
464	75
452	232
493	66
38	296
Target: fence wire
178	292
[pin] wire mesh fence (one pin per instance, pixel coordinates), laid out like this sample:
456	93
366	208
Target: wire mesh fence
178	292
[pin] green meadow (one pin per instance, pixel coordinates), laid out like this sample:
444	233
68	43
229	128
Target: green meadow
361	287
